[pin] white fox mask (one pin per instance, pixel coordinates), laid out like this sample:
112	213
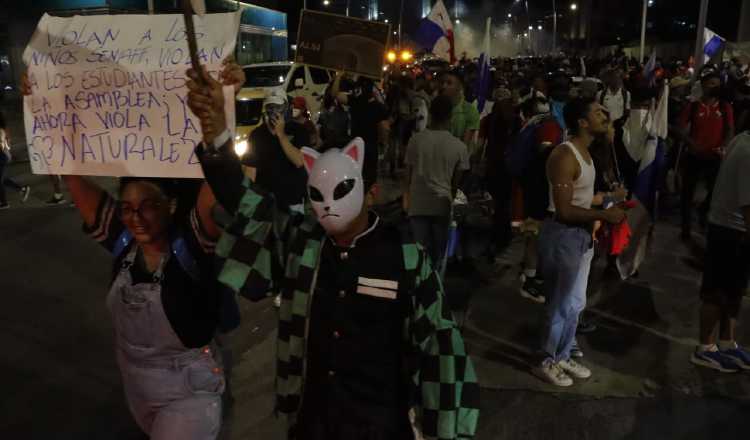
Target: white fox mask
335	184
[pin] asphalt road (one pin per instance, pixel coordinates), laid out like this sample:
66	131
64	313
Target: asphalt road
59	379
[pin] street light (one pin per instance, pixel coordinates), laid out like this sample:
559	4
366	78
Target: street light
539	27
531	28
510	15
525	34
326	2
458	21
573	6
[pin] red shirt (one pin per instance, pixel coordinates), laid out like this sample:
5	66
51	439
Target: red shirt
549	132
707	127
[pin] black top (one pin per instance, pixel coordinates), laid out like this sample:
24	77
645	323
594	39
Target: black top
366	115
357	353
191	301
2	121
275	172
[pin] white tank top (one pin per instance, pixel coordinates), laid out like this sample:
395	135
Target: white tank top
583	187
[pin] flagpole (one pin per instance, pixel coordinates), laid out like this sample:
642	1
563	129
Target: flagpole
699	43
643	29
187	14
554	27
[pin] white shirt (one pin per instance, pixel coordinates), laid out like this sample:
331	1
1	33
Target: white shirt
614	102
583	187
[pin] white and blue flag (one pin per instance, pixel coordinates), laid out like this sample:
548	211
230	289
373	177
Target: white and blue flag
712	44
435	33
485	74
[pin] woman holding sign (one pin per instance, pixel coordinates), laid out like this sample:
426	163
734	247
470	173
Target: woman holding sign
164	301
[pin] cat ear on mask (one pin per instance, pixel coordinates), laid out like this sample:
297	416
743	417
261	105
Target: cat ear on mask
309	156
356	151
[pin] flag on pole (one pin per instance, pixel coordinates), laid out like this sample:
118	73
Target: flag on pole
642	217
649	70
483	81
435	33
712	44
652	159
199	7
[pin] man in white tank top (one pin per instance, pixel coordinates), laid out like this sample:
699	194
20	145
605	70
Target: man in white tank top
565	242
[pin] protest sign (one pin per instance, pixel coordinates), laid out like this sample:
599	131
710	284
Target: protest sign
109	93
337	42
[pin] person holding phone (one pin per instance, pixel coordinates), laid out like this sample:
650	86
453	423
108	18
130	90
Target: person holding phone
276	154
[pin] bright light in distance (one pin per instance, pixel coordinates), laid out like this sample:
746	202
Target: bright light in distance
573	6
406	55
281	80
386	20
531	28
241	147
458	21
525	34
326	3
392	56
540	27
510	15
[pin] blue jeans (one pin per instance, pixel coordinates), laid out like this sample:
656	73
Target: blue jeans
565	255
432	233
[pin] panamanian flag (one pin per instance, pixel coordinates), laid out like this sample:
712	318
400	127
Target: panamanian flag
712	44
648	151
435	33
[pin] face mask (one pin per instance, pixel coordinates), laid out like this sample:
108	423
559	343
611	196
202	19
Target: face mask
335	184
296	112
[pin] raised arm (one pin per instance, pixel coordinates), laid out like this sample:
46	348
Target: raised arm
86	194
220	164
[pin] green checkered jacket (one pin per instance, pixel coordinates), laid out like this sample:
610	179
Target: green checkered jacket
265	249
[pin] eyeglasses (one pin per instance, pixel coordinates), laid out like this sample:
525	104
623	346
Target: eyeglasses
148	208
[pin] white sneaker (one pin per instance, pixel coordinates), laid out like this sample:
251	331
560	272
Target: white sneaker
575	369
25	191
552	373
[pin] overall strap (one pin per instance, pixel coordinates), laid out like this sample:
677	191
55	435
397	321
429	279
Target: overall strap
122	243
185	258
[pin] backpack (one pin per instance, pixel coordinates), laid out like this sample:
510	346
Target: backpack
522	152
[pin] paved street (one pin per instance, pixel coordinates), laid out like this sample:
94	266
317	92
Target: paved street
60	380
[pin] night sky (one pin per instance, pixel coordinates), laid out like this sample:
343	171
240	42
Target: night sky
670	20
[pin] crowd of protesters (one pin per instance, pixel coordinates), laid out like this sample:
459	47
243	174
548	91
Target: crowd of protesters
552	157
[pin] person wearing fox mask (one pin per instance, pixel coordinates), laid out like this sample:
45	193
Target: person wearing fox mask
367	347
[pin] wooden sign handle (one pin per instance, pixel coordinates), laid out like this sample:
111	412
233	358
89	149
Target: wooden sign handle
187	14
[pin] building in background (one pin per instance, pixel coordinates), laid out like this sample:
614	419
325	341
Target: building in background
262	35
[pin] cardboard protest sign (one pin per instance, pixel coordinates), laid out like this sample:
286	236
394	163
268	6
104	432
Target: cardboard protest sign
337	42
110	97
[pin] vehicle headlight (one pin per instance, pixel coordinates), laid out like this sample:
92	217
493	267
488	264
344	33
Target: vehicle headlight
241	146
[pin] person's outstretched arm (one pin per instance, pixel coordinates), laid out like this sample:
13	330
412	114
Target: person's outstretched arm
252	244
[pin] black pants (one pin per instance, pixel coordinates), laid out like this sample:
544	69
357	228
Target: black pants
6	181
327	423
500	188
695	169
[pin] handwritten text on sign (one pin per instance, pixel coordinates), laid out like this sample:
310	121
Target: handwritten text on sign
110	97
